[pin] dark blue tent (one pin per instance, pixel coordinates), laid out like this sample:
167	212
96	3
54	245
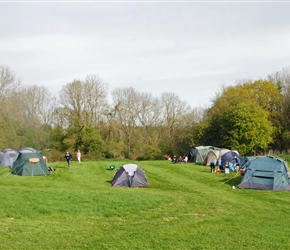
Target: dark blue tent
129	175
230	157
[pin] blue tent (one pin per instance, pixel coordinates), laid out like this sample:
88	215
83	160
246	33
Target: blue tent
8	155
129	175
266	172
230	157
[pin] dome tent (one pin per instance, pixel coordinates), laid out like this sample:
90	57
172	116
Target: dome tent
198	154
26	150
129	175
8	155
29	164
214	154
266	172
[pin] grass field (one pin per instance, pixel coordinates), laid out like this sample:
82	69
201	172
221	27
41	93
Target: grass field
186	207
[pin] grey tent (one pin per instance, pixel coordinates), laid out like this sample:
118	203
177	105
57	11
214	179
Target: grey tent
26	150
214	154
1	157
29	164
8	155
129	175
7	150
266	172
198	154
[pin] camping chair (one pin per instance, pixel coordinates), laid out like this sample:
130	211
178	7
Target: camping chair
111	167
50	169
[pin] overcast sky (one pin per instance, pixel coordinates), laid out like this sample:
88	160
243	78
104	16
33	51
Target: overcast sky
189	48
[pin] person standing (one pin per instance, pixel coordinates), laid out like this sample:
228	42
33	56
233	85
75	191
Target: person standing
212	167
219	163
68	158
79	155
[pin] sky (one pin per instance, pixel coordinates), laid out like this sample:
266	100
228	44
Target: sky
190	48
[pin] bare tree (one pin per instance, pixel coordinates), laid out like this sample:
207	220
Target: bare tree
95	93
282	80
148	110
71	100
125	101
35	105
84	101
172	113
8	82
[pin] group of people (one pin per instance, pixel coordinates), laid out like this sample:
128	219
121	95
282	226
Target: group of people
232	166
68	157
179	159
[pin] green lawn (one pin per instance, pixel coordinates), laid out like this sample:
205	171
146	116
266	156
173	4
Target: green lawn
186	207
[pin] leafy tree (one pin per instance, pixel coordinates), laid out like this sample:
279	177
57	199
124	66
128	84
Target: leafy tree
91	142
244	126
57	139
282	125
261	93
264	93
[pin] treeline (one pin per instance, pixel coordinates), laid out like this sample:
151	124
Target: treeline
251	117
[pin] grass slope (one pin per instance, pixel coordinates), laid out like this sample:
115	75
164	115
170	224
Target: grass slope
186	207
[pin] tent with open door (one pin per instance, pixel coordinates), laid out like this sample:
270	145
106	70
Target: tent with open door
230	157
129	175
214	154
266	172
29	164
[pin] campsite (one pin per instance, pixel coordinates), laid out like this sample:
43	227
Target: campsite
184	207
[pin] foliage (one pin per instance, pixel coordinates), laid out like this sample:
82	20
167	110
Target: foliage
139	125
282	124
186	207
242	117
10	136
261	92
91	142
244	127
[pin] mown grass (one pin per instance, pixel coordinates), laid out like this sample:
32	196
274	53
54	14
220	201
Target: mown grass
186	207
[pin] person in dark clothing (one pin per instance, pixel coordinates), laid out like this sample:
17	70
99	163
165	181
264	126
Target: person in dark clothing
212	167
68	158
174	159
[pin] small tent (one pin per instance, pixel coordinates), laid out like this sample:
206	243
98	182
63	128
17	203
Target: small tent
8	155
29	164
198	154
129	175
267	173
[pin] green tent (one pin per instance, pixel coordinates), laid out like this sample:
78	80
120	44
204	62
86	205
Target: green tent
29	164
